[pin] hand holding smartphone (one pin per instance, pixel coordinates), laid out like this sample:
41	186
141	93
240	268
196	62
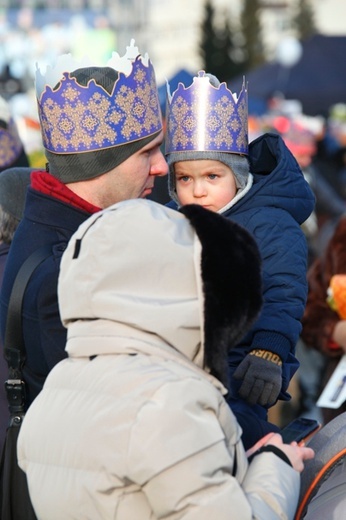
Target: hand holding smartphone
300	430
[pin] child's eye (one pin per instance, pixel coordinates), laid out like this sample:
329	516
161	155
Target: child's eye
183	178
212	176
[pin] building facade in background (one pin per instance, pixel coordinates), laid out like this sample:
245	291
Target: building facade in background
168	29
37	31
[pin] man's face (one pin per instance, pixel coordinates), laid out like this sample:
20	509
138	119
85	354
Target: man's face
134	178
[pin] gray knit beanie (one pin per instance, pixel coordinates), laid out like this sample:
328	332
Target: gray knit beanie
74	167
14	183
239	165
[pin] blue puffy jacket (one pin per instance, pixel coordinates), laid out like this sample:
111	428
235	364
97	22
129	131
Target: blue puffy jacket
279	201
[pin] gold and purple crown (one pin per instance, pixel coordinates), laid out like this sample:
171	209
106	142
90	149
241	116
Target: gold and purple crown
76	118
11	145
203	117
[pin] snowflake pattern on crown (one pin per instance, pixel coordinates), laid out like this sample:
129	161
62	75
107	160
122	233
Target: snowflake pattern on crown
202	117
83	119
10	144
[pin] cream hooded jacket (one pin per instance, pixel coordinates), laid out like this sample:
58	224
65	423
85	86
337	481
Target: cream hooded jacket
132	425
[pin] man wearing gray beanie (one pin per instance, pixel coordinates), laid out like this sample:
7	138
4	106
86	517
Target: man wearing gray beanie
261	187
102	131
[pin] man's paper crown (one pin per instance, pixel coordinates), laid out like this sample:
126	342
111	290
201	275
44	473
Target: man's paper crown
77	119
203	117
11	144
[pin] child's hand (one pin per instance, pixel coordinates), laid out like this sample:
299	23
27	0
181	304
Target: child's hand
261	375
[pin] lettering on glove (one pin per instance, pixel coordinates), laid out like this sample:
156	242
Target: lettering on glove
266	354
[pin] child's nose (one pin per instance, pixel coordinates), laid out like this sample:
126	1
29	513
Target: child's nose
199	189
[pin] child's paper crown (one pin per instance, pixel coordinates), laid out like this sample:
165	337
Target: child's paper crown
76	118
203	117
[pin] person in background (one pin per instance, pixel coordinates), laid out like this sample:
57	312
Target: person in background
262	188
12	152
102	132
331	149
13	187
301	141
324	330
136	413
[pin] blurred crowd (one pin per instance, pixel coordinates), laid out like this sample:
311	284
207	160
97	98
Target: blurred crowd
28	37
319	146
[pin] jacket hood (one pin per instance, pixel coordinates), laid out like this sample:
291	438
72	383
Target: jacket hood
278	179
139	272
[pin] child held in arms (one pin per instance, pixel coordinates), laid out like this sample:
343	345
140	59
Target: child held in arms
261	187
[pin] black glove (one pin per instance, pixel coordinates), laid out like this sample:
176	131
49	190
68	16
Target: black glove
261	373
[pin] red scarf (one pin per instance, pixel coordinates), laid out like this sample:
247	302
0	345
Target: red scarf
44	182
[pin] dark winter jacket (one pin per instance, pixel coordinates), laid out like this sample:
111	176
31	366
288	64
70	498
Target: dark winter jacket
46	221
4	413
274	208
279	201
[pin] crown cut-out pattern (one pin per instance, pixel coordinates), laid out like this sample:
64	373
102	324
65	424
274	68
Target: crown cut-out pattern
75	118
202	117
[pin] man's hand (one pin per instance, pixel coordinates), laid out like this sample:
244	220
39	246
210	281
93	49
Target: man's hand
261	373
296	454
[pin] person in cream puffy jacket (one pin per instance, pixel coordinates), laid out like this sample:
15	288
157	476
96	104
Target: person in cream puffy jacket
133	425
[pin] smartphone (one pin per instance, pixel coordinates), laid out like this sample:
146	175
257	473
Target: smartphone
300	430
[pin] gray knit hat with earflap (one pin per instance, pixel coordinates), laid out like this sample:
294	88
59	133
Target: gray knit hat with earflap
239	165
74	167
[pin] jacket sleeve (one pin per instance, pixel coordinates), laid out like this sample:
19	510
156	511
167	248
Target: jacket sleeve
283	249
186	466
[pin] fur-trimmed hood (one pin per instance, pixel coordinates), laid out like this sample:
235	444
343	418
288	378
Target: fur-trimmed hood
139	273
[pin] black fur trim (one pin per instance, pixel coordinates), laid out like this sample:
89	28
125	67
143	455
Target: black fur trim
232	284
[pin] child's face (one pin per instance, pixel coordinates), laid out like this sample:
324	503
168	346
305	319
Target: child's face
209	183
